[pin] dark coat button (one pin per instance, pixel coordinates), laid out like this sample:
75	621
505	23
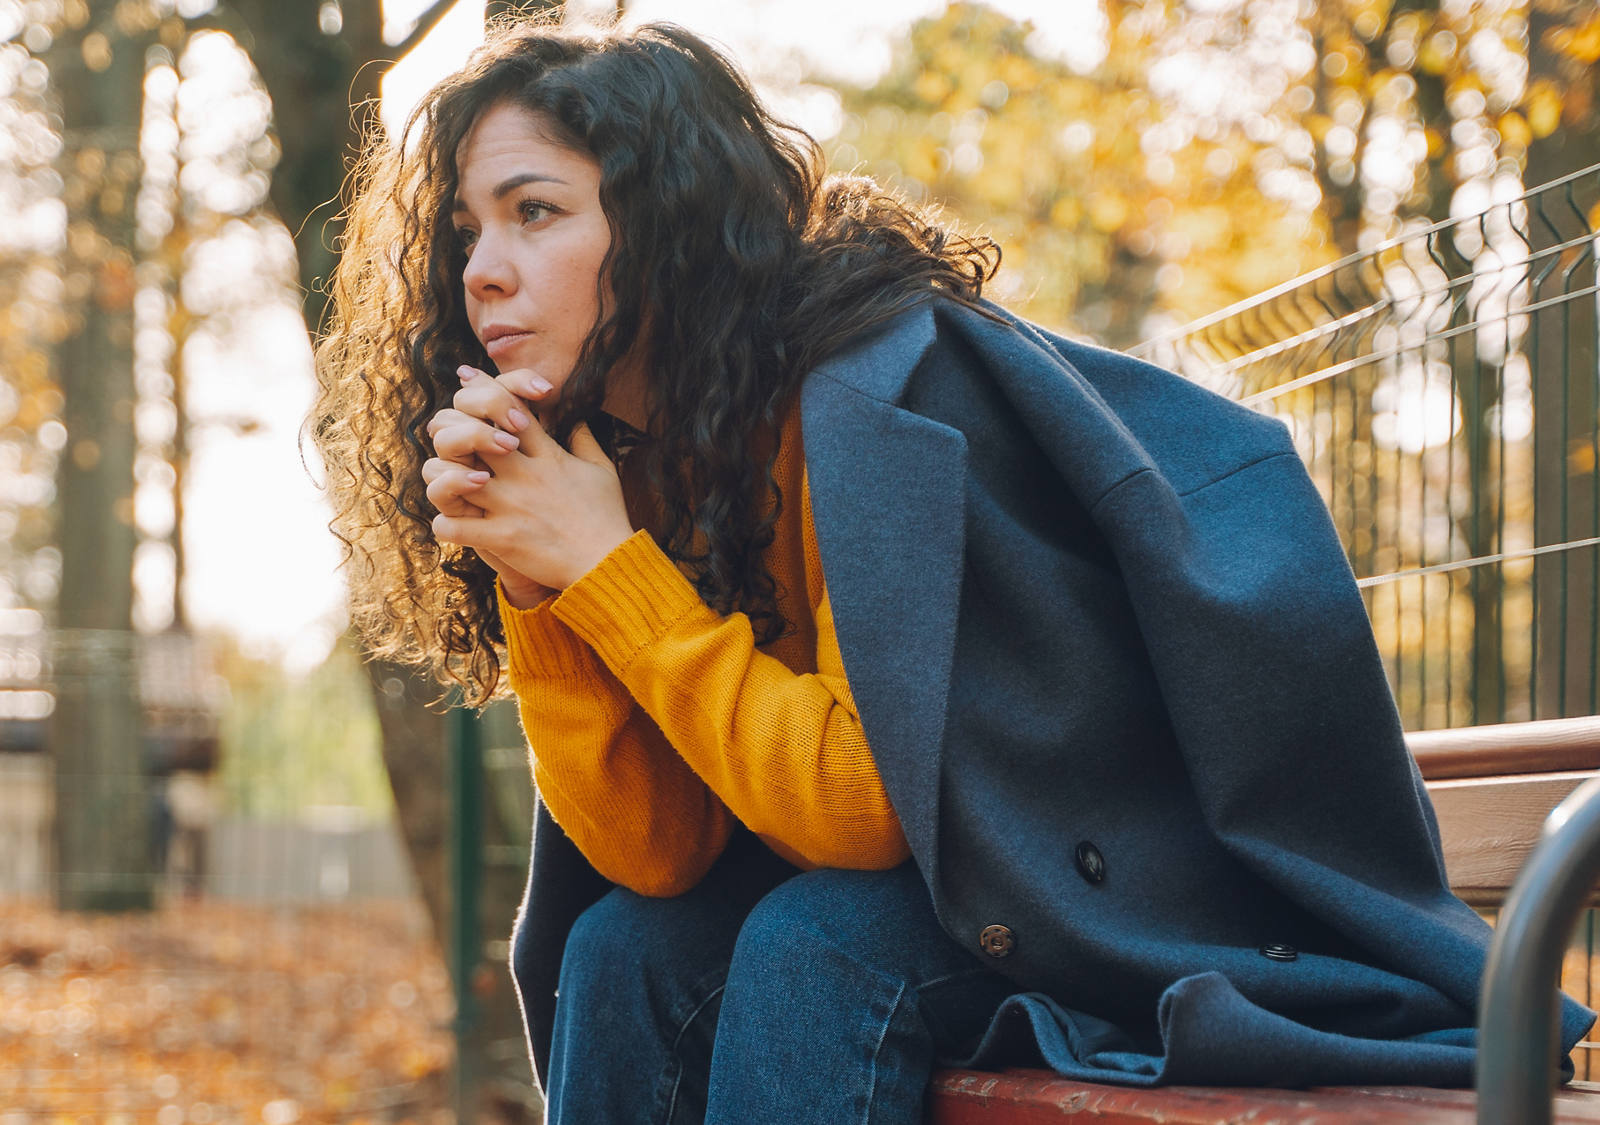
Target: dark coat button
1091	864
997	941
1277	951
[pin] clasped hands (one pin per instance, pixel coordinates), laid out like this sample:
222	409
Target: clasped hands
541	516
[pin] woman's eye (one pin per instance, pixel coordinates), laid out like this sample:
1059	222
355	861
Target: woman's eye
531	211
466	237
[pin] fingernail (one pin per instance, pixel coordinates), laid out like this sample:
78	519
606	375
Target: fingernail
518	419
541	384
505	440
478	476
466	374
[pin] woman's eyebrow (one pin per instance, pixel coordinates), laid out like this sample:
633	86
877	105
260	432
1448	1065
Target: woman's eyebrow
506	186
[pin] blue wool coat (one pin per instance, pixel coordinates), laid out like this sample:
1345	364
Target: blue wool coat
1124	696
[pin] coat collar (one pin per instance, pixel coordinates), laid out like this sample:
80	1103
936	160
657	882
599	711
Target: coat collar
880	364
888	504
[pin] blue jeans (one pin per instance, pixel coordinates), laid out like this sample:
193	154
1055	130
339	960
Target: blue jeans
763	995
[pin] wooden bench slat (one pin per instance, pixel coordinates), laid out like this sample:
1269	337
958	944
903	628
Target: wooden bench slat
1544	746
1036	1097
1488	825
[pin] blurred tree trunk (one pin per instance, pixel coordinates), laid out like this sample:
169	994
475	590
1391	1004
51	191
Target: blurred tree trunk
413	741
1435	185
1339	180
315	70
103	852
1564	371
1478	522
323	79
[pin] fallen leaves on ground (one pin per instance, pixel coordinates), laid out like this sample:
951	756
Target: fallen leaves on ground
221	1013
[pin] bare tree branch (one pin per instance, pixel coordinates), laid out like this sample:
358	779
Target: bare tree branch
426	22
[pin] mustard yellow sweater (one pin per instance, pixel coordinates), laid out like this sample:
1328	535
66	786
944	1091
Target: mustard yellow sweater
654	723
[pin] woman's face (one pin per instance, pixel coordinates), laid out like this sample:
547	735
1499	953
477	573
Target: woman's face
528	214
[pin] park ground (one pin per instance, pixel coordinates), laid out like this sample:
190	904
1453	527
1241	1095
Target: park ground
207	1012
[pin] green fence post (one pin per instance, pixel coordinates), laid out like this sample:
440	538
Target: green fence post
465	755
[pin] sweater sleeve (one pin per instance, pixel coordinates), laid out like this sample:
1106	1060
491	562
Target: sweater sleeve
784	751
605	771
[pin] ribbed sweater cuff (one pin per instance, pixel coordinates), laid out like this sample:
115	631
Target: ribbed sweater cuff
630	599
539	646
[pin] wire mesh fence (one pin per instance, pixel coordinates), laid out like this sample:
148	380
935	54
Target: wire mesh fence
1441	387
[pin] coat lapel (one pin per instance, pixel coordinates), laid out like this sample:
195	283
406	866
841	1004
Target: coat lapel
888	503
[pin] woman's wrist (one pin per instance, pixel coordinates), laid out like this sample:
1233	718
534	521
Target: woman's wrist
523	593
601	549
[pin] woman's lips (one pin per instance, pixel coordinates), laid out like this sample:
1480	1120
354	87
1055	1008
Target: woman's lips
504	343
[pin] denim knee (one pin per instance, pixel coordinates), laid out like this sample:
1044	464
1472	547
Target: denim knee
837	929
825	914
865	914
614	943
820	1020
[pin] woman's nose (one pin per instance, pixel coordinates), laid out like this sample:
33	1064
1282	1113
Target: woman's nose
488	270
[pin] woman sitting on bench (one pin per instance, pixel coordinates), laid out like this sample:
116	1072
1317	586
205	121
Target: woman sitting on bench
902	682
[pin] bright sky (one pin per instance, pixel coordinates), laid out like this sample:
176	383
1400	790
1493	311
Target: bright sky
775	40
261	562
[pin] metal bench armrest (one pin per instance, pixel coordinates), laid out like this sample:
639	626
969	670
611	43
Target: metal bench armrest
1518	1030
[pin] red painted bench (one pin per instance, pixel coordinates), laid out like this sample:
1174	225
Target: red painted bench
1031	1097
1492	788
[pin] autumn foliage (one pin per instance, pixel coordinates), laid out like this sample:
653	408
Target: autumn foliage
216	1012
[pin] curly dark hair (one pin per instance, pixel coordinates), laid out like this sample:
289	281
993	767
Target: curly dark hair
734	267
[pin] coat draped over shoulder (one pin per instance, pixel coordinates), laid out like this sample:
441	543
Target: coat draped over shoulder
1125	698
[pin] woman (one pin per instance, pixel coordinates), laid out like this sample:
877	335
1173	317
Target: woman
901	681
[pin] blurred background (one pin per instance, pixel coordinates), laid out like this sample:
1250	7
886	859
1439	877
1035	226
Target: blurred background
247	877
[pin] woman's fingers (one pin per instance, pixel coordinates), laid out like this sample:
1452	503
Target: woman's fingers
468	439
505	400
522	383
484	398
535	440
449	416
450	487
451	529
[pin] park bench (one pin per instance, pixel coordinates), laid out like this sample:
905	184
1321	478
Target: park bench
1493	788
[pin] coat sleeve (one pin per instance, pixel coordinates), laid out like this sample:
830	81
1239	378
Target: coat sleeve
1277	695
1270	672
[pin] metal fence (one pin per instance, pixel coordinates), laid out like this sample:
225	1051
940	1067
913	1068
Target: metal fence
1442	389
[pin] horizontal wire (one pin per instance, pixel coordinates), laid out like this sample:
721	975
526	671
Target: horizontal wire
1481	560
1369	358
